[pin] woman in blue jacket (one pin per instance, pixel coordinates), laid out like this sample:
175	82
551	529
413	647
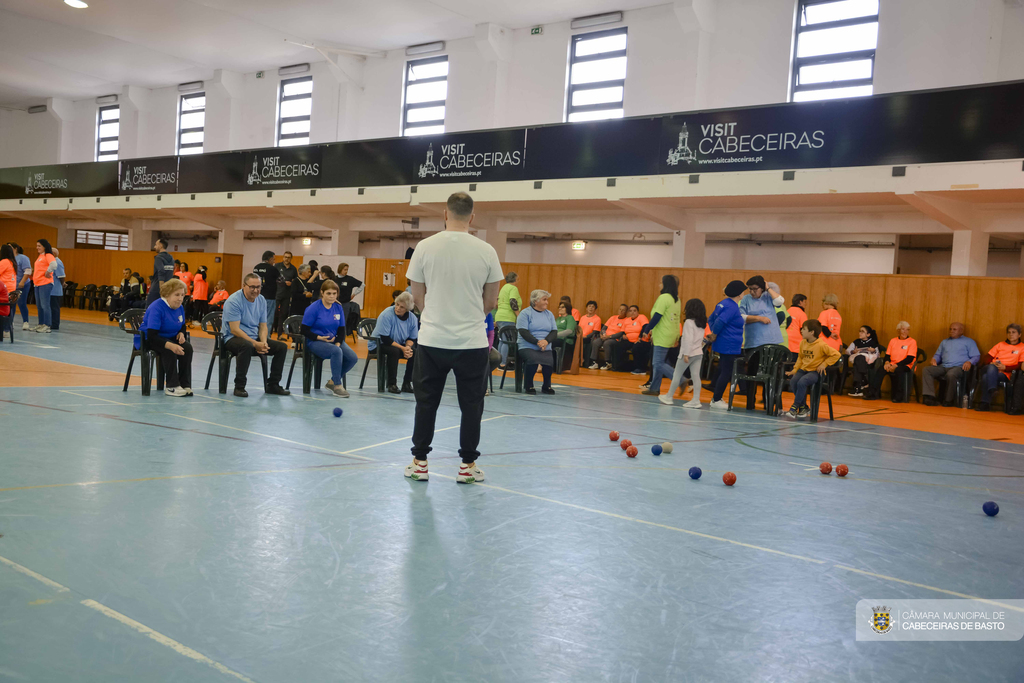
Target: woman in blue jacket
323	326
163	327
726	324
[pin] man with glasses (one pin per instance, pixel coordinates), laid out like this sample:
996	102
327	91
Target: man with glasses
245	331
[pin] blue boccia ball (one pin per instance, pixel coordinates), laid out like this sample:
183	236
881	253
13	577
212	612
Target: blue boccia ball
337	412
656	449
695	473
991	508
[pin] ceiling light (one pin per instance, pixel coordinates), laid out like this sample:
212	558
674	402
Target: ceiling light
425	48
77	4
596	20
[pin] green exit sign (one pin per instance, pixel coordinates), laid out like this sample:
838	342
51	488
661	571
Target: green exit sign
537	31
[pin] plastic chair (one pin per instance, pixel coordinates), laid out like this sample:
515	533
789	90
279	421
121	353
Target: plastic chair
1007	390
910	378
772	357
7	322
510	336
365	330
210	324
131	322
965	385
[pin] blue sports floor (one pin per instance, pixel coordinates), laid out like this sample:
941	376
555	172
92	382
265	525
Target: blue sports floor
262	539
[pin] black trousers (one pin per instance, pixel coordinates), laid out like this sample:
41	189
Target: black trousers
243	352
529	371
641	355
896	389
862	372
199	309
430	371
177	369
395	354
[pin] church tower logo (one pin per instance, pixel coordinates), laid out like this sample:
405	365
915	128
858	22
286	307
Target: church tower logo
28	185
126	184
682	152
428	168
254	175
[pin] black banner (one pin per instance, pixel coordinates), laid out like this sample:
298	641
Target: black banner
596	149
59	180
218	172
448	158
157	175
284	168
12	182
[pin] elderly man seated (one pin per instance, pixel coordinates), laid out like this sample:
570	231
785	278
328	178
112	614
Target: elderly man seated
956	355
398	329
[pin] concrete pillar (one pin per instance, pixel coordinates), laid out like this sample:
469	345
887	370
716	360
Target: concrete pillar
230	241
345	242
223	111
140	239
970	253
65	236
1021	272
133	102
496	239
687	249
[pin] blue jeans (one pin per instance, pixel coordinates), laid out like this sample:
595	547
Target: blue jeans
801	383
660	368
502	346
991	379
271	310
55	309
342	357
43	303
23	301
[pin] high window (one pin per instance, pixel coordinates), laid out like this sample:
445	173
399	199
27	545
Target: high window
835	49
108	127
97	239
426	90
191	123
294	111
597	76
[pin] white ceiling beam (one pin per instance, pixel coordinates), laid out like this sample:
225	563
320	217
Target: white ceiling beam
667	217
695	15
32	217
493	41
326	220
214	220
114	219
954	214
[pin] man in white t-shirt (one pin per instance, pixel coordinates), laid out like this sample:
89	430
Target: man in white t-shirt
455	281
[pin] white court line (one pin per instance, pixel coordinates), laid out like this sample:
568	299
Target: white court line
405	438
95	398
873	433
996	450
41	346
183	650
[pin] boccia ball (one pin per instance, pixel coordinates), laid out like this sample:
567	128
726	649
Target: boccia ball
613	436
666	447
632	451
991	508
337	412
695	473
842	470
729	478
825	467
624	444
656	449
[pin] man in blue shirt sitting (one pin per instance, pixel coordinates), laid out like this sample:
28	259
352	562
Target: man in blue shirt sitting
955	356
245	331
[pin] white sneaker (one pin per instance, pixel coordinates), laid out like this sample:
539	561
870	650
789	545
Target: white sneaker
42	329
719	405
468	474
696	405
593	366
417	471
666	399
606	366
638	372
176	391
25	327
188	390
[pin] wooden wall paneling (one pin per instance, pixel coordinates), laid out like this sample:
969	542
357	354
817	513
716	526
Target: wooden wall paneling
992	304
25	234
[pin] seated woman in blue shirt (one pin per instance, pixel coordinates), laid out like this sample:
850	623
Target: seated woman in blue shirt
397	328
323	326
537	331
163	327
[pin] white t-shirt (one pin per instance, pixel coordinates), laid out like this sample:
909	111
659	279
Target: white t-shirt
454	266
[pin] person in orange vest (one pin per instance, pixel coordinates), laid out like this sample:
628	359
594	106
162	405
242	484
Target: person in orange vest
1006	357
798	314
900	359
830	319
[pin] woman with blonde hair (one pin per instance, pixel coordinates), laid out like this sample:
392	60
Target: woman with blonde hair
163	331
831	320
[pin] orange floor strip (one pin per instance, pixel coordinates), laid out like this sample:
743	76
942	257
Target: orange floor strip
17	370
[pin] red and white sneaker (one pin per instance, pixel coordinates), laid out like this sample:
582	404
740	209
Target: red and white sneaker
469	474
417	471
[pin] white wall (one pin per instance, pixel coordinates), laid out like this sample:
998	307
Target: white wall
746	62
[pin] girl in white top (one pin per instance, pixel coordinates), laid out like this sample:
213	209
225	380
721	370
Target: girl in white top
691	352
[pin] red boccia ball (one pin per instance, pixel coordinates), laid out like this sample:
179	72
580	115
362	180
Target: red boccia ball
728	478
825	467
842	470
613	436
632	451
625	443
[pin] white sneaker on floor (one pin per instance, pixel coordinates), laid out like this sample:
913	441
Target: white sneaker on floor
606	366
417	471
696	405
719	405
176	391
593	366
188	391
42	329
638	372
25	327
666	399
467	474
645	385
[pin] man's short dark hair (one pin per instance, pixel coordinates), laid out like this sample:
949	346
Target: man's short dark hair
460	205
798	299
162	241
634	306
288	253
592	302
268	255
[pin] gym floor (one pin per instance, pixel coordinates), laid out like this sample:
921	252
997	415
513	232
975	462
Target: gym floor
262	539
